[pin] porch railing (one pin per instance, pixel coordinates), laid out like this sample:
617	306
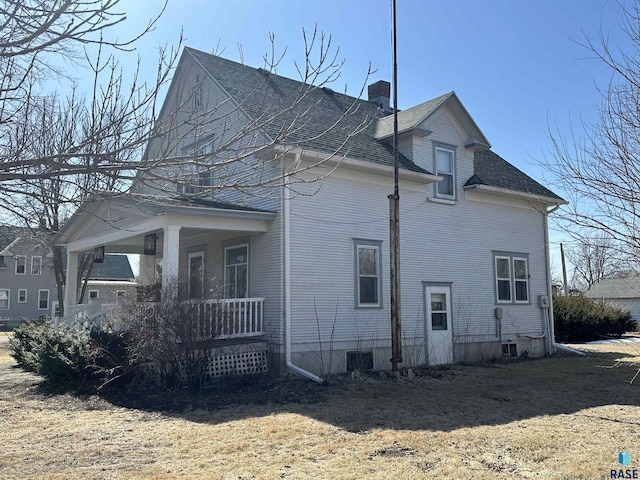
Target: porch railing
229	318
206	319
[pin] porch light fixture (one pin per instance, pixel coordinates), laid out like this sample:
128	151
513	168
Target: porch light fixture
98	255
150	244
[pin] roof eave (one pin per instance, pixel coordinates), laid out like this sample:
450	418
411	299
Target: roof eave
364	166
505	192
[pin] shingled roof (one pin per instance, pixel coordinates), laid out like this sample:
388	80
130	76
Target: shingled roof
330	122
114	267
610	288
491	170
323	120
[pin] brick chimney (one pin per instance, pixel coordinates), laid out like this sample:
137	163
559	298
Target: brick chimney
380	93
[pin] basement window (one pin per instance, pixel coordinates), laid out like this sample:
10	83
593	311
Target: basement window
359	361
509	350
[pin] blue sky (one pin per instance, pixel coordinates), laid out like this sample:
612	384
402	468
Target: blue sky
517	65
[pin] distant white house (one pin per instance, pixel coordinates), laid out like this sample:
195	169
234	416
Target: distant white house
304	270
623	292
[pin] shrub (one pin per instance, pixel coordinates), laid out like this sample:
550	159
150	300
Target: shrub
581	319
58	355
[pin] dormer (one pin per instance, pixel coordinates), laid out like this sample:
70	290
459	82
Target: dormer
441	137
413	123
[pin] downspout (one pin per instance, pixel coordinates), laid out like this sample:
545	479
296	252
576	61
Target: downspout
551	340
287	280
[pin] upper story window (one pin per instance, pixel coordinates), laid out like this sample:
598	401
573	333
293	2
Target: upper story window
512	278
445	167
21	265
36	265
197	97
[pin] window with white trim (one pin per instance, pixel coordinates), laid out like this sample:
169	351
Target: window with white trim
43	299
21	265
236	271
511	277
93	294
197	97
4	299
445	167
36	265
367	272
22	295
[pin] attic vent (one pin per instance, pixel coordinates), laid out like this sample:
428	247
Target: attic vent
327	90
263	72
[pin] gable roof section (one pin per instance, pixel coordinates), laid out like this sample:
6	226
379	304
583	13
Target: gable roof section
9	234
615	288
410	119
114	267
321	120
491	170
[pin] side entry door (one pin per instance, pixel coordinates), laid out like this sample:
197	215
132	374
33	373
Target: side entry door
439	331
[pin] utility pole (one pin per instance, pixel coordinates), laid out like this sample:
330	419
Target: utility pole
564	272
394	222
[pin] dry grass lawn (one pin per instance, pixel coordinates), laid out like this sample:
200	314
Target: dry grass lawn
558	418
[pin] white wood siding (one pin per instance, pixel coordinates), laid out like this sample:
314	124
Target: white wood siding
217	121
439	243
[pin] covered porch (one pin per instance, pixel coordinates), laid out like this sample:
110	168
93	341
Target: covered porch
196	251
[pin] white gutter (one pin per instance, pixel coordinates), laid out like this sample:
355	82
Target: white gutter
287	281
553	346
551	341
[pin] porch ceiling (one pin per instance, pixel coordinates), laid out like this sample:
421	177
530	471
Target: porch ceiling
120	222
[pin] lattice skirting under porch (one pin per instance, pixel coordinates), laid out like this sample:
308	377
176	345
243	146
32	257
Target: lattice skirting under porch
238	360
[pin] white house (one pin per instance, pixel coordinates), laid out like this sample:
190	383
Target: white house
302	255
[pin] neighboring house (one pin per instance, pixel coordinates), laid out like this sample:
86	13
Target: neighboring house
623	292
111	280
304	266
27	282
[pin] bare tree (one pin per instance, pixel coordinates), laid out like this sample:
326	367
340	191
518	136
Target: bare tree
599	171
593	259
56	151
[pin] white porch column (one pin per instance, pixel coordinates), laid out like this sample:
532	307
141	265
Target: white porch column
71	284
170	254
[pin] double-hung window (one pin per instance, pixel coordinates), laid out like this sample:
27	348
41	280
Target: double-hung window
22	295
21	265
368	273
445	167
236	271
511	277
4	299
43	299
36	265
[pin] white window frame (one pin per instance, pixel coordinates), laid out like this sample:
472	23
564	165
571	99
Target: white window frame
452	173
8	298
197	97
40	291
247	263
18	257
20	290
511	258
377	247
199	253
97	292
33	265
